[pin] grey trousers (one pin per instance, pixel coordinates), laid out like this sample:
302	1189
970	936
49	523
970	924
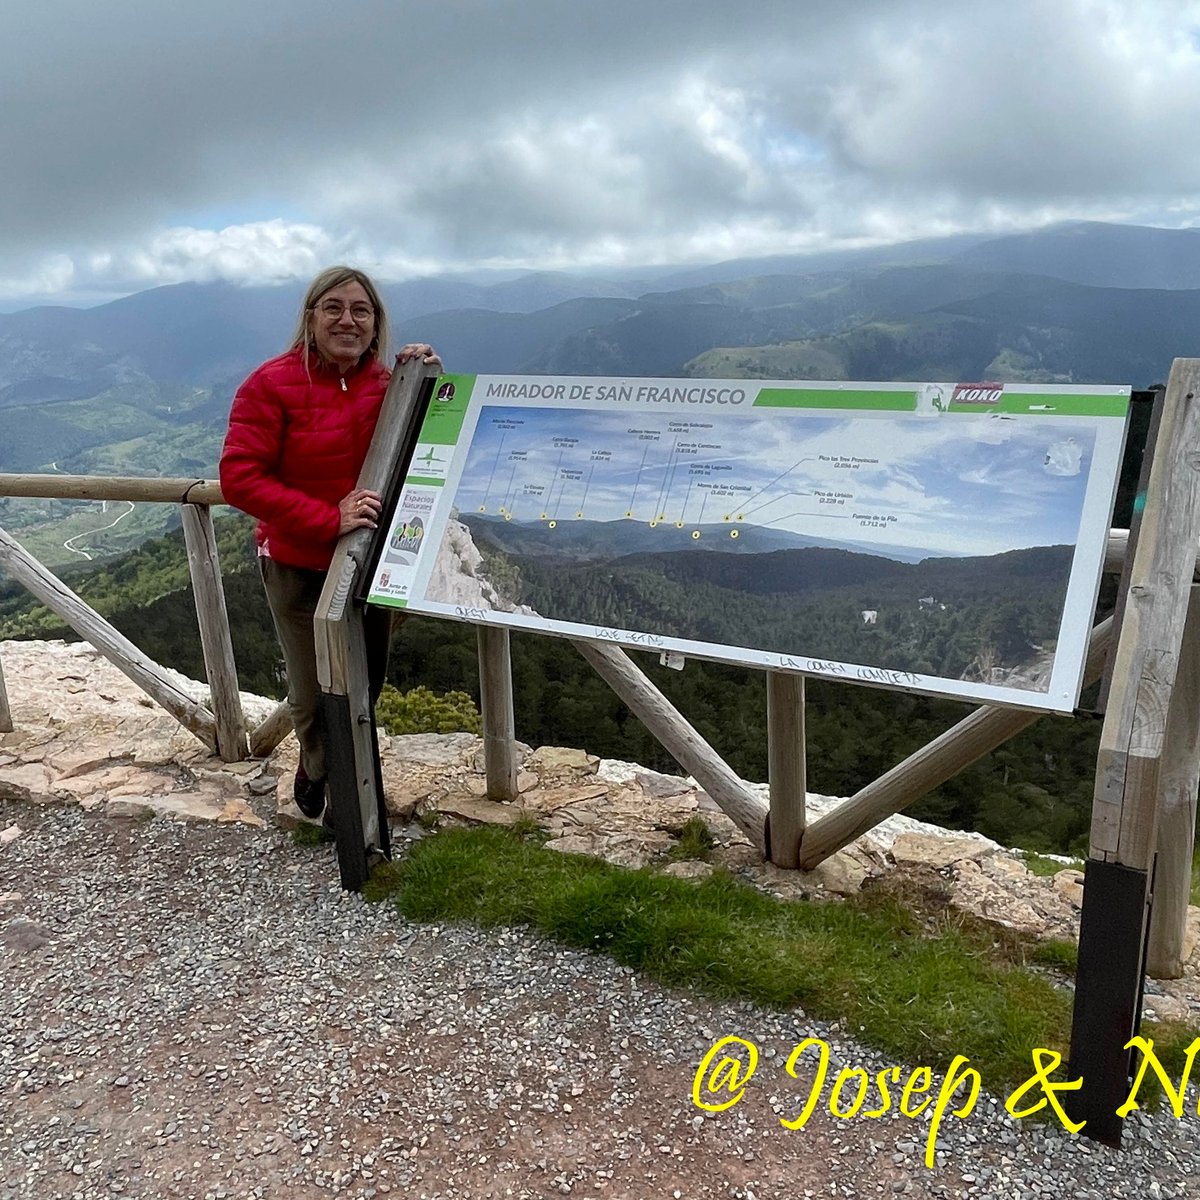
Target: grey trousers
292	594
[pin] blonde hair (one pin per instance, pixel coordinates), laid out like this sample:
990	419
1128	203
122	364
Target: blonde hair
326	281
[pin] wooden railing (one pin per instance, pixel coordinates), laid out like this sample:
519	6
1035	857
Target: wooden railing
221	725
779	827
223	729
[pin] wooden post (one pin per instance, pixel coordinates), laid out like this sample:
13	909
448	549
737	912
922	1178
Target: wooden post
352	755
496	700
266	736
1124	830
6	721
1177	792
961	745
351	750
786	767
117	648
213	619
1147	654
679	739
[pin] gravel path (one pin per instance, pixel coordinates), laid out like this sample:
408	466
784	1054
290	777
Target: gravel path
197	1011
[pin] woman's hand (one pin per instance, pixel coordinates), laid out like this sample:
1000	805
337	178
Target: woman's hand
426	353
359	509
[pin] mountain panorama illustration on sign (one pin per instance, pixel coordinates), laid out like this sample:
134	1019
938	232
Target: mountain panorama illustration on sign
942	538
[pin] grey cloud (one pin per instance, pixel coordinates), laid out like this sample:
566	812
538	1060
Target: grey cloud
641	179
130	111
459	130
1029	102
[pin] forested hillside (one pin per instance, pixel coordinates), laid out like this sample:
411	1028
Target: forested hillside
942	617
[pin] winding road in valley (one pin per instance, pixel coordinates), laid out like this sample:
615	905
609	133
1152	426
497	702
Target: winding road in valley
120	517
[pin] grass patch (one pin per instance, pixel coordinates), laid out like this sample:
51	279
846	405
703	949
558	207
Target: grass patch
383	883
695	842
309	834
1038	864
527	829
920	996
1057	953
1171	1041
926	899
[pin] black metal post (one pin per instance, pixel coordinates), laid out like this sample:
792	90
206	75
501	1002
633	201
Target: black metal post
1108	994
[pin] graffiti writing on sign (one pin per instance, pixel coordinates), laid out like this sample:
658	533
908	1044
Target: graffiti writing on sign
630	639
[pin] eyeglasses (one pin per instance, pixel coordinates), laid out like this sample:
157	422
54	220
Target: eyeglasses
333	309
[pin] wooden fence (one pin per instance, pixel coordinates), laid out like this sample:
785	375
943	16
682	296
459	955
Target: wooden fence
219	725
779	827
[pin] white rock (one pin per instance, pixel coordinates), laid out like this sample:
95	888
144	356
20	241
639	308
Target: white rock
689	870
1069	883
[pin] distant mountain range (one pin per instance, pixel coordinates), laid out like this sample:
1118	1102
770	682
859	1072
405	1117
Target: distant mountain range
142	385
585	541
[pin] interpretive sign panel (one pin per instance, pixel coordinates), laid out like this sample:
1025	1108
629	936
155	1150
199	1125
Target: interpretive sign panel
938	537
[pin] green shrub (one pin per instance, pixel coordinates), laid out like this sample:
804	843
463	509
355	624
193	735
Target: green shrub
421	711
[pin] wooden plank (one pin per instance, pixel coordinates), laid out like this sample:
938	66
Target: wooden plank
973	737
399	405
1115	548
786	766
341	632
1135	524
206	491
6	721
112	487
266	736
213	620
341	650
117	648
1179	780
679	739
499	725
1147	653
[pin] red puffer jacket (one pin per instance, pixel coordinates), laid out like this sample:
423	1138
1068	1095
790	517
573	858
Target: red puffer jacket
295	446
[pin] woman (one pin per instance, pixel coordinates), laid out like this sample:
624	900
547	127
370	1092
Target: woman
298	434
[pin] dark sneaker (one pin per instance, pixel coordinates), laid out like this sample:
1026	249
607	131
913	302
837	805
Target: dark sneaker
309	795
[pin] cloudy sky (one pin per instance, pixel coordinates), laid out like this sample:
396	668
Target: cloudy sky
960	485
146	142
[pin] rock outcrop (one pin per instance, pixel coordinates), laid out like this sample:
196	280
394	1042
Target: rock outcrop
458	575
84	734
